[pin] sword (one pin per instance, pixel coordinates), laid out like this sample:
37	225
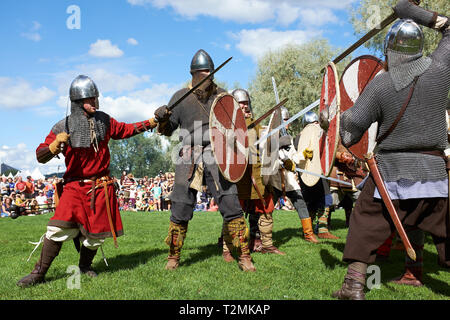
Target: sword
284	124
268	113
154	121
366	37
277	99
322	176
388	203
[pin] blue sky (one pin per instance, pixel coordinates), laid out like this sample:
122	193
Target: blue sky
138	52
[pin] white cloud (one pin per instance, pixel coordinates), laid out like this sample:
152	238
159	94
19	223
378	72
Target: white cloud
20	94
138	105
246	11
23	158
105	80
132	41
317	17
105	49
255	43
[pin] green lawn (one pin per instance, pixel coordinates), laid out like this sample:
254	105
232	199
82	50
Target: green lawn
136	268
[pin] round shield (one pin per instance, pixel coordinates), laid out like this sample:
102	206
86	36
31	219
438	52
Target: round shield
309	138
329	111
354	80
269	148
228	136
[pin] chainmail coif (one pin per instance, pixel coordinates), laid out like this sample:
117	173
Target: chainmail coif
79	126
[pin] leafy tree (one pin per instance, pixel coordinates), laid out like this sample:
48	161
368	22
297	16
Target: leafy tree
297	70
142	155
371	12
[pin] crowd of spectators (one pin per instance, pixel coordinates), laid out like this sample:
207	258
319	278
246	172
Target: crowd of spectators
29	197
148	194
153	193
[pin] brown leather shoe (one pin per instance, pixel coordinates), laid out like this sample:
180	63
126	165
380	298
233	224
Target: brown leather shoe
350	290
408	278
245	263
33	278
227	257
172	263
50	250
273	250
326	235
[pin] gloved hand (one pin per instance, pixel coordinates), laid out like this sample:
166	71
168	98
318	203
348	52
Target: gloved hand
55	146
441	23
289	165
308	153
162	114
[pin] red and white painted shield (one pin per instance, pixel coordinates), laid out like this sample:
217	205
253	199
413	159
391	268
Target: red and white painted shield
354	80
329	110
228	136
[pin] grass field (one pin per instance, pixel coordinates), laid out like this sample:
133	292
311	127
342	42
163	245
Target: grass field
136	268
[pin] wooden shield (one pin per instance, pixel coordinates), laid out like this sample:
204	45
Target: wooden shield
269	148
330	109
228	136
354	80
309	138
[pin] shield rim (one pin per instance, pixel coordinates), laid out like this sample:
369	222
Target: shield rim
365	56
211	113
338	113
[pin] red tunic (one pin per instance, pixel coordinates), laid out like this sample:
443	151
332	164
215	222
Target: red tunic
74	209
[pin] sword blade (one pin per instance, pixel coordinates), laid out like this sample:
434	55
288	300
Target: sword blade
322	176
367	37
282	125
268	113
389	205
275	90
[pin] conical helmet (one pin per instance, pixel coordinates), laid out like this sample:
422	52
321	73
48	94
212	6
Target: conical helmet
82	88
202	61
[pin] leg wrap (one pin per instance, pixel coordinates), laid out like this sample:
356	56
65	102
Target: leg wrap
323	220
357	271
265	224
175	238
238	231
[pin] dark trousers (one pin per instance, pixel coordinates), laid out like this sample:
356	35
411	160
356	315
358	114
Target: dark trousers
229	205
371	224
297	200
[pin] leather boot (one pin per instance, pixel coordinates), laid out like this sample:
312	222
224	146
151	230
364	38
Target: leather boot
351	290
245	263
308	230
85	263
175	241
50	250
273	250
